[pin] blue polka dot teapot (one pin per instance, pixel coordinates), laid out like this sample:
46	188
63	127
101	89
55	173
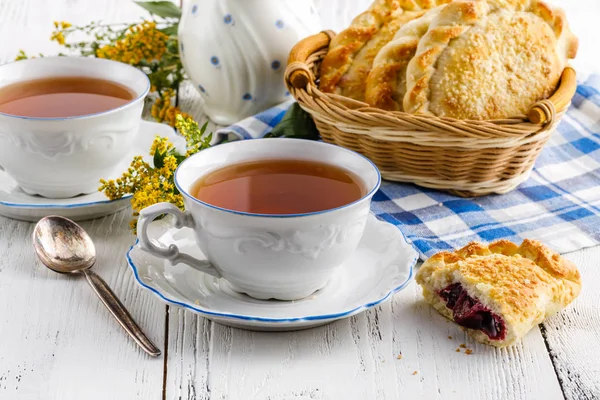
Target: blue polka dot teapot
235	51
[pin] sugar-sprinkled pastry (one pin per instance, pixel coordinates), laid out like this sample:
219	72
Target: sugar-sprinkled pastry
488	59
386	81
500	291
345	68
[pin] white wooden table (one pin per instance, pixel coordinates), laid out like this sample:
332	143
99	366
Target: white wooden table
58	342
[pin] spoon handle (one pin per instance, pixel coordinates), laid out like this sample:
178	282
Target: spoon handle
119	311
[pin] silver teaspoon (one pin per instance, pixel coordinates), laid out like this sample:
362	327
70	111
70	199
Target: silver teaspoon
64	247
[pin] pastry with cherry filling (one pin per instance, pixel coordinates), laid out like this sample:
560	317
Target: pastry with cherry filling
498	292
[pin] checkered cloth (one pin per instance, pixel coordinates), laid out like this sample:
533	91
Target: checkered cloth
559	204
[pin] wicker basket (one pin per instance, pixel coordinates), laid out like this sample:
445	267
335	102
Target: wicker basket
467	158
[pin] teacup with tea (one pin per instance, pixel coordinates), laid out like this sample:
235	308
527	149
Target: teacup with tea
274	217
67	122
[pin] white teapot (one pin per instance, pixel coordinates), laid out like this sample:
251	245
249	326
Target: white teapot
235	51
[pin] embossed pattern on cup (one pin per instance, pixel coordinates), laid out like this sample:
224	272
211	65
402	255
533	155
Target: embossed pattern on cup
309	243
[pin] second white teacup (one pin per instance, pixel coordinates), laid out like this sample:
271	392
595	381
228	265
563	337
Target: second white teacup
66	156
280	256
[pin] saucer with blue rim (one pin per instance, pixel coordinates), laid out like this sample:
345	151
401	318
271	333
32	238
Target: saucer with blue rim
16	204
381	266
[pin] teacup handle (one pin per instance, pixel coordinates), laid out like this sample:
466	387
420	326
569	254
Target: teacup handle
171	253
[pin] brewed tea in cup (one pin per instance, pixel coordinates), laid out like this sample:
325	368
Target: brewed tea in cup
63	97
279	186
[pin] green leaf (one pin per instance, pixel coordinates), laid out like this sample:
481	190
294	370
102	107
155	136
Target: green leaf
164	9
296	123
172	46
159	159
170	30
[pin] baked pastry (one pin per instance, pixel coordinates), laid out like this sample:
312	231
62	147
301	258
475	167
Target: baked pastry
488	59
500	291
386	82
353	83
345	68
347	43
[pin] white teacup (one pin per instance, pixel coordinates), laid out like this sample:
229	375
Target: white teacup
65	157
285	257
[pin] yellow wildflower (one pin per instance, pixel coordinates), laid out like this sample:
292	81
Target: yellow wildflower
21	56
58	34
169	167
58	37
112	189
160	144
141	42
193	134
168	186
163	111
171	115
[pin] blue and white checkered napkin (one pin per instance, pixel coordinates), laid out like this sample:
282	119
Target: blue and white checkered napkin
559	204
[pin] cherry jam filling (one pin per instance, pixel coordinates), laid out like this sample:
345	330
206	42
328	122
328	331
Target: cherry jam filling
470	313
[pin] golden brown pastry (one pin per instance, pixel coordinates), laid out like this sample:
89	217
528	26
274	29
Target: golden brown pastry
345	68
500	291
347	43
353	83
488	59
386	82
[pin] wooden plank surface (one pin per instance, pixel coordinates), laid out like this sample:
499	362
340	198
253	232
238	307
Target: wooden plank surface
356	358
58	342
573	336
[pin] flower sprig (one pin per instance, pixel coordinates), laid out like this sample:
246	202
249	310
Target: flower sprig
58	34
196	139
144	45
151	183
142	42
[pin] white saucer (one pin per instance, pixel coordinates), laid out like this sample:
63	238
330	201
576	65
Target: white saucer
16	204
381	266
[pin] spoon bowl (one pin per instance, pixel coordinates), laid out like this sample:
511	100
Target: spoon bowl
63	246
66	248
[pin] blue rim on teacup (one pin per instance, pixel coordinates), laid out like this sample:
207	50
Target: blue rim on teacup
369	193
143	94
